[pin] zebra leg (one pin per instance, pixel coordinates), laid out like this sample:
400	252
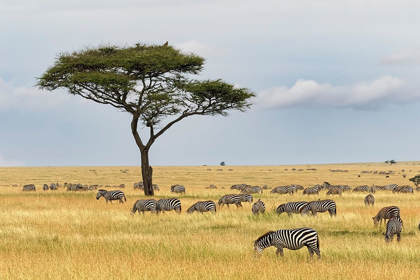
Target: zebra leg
398	237
279	251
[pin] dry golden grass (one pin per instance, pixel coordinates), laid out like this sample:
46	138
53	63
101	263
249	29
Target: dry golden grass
68	235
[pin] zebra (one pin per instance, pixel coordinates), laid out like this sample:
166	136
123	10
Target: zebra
203	206
394	226
386	213
45	187
291	207
251	190
144	205
258	207
239	186
333	191
311	191
364	188
390	187
320	206
30	187
168	204
369	200
283	190
230	199
111	195
403	189
178	189
292	239
53	186
246	198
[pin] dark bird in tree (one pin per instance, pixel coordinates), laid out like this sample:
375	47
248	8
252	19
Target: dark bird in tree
166	44
151	83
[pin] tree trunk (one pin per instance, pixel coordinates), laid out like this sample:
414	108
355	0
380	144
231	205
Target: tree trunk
147	173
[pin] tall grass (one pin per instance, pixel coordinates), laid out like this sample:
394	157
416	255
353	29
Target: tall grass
68	235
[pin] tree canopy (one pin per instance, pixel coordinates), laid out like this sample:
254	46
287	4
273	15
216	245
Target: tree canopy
151	82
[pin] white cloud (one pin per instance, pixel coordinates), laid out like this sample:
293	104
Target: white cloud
360	95
12	162
411	56
23	98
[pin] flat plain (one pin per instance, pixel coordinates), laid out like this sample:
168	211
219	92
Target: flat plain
71	235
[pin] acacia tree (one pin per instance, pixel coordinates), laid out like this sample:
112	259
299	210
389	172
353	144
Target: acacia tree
152	83
415	180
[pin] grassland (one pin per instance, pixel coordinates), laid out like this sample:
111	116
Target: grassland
68	235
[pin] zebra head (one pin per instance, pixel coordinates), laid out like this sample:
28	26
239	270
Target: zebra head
100	193
280	209
191	209
264	241
376	220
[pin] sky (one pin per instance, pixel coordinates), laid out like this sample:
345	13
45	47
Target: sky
335	81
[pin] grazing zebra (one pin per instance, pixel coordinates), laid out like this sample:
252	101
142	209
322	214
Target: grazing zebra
45	187
53	186
230	199
369	200
144	205
403	189
394	226
246	198
311	191
292	239
385	214
390	187
203	206
334	191
291	207
168	205
30	187
283	190
258	207
178	189
251	190
364	188
320	206
239	186
111	195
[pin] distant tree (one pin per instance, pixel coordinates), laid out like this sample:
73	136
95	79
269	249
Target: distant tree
387	161
151	83
415	180
392	162
222	163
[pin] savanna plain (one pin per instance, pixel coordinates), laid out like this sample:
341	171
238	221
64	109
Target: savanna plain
71	235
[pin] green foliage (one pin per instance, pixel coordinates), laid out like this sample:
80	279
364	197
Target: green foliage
222	163
415	180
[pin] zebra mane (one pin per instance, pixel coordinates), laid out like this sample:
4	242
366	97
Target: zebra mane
102	190
265	235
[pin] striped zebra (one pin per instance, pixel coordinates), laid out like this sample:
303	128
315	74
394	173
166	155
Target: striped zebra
394	226
283	190
403	189
239	186
45	187
390	187
230	199
369	200
54	186
292	239
335	191
246	198
144	205
168	204
385	214
258	207
251	190
203	206
178	189
30	187
111	195
311	191
364	188
291	207
320	206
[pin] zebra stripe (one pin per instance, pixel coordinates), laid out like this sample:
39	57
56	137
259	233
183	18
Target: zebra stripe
292	239
230	199
30	187
144	205
311	191
364	188
369	200
320	206
258	207
251	190
403	189
45	187
111	195
394	226
283	190
390	187
168	204
178	189
385	214
203	206
291	207
334	191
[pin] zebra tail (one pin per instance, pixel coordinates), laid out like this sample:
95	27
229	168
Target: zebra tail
125	199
